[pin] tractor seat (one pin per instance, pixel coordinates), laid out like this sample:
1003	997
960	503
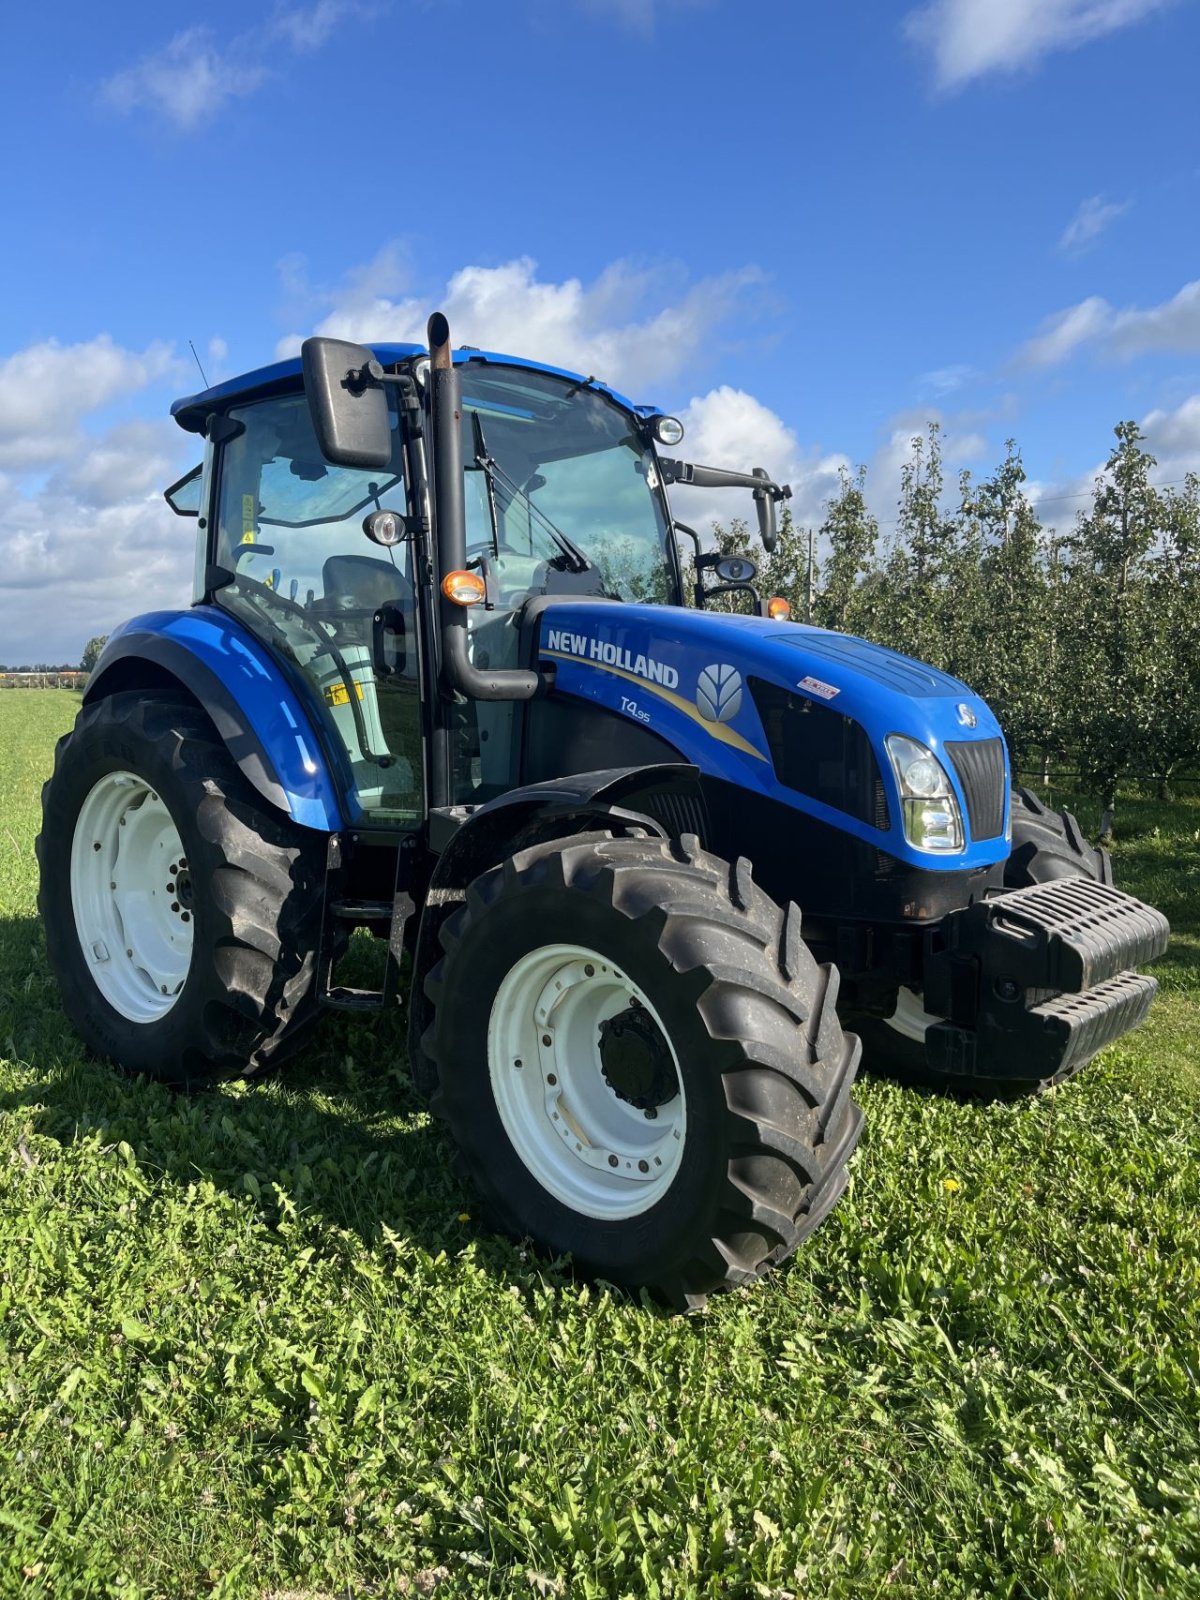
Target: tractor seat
363	583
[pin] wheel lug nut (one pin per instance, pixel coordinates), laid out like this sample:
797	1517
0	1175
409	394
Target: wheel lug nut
613	1162
187	916
589	971
546	1039
174	905
551	1079
651	1113
96	844
643	1166
518	1062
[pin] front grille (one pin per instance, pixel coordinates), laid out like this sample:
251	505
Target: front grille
980	767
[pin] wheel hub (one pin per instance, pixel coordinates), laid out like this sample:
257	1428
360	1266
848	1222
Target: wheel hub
132	898
586	1081
636	1060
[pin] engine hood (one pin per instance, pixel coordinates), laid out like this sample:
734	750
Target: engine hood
687	675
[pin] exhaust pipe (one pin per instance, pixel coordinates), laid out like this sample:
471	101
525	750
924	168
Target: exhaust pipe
450	527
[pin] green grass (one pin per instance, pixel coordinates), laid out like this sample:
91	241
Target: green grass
258	1343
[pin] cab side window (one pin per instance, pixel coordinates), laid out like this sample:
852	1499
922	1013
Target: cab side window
309	583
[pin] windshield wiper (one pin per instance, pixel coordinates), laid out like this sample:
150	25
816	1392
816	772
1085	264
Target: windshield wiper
488	467
495	474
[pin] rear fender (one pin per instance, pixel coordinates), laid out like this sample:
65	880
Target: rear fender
663	800
255	710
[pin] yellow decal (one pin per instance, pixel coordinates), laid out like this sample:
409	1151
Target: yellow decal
337	694
248	508
720	731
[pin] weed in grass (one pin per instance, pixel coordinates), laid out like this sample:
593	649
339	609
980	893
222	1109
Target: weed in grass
258	1343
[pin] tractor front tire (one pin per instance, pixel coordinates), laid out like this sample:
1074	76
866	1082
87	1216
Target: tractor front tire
1047	845
641	1062
181	913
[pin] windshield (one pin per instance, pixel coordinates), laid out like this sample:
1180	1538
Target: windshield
561	491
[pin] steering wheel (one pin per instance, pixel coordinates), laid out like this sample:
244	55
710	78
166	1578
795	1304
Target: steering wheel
272	597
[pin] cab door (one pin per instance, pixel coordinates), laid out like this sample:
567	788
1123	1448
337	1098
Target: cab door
306	580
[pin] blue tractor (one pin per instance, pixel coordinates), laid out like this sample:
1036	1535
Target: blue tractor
440	680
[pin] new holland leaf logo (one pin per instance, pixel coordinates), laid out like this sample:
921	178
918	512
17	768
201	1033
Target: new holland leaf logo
719	693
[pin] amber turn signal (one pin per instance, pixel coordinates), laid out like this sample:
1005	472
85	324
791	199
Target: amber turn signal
463	588
778	609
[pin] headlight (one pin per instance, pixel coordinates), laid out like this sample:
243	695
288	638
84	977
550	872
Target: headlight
932	820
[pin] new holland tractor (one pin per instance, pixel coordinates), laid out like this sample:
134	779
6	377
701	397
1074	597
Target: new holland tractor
443	678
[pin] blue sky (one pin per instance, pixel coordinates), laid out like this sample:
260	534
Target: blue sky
806	228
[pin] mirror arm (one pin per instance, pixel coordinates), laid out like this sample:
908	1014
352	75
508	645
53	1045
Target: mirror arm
737	588
688	472
698	589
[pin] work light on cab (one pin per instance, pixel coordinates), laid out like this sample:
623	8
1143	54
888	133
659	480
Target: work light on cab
667	430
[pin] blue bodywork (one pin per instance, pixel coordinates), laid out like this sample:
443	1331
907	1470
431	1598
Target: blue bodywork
251	703
191	411
611	654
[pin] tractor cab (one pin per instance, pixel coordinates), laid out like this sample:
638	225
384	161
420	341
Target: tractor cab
332	567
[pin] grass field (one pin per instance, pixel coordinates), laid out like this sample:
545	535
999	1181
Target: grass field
259	1343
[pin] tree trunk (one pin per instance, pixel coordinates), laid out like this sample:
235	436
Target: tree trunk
1108	813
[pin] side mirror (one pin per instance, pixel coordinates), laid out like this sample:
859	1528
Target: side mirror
764	504
348	403
735	569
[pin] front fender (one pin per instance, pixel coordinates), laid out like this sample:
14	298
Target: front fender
255	710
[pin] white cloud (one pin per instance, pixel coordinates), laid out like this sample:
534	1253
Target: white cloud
729	428
192	77
130	461
632	327
92	547
1093	216
1174	437
945	380
187	81
969	38
1173	326
47	388
639	16
1061	335
307	28
85	536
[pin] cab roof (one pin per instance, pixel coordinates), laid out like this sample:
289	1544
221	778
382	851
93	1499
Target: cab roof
192	411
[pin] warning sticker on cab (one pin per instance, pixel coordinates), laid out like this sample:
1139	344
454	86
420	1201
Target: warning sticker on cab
338	695
826	691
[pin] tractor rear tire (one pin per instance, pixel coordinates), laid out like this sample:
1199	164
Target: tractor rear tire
641	1062
1046	846
181	913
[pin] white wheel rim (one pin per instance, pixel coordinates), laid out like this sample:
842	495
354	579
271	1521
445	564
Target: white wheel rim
910	1019
590	1147
131	895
